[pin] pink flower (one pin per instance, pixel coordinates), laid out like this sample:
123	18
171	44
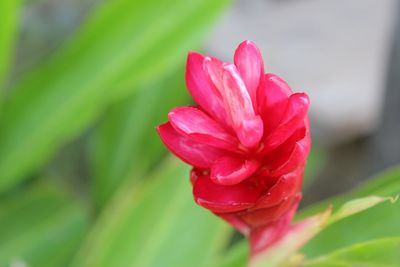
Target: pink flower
247	140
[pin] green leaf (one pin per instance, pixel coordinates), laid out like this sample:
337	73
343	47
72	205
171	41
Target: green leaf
355	206
125	144
376	253
386	184
236	256
156	224
377	222
283	253
40	226
9	14
122	45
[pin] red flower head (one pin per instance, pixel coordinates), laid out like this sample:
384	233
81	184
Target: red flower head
247	140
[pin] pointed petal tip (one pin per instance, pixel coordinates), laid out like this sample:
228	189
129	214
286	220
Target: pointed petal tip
247	43
201	88
158	127
194	153
172	113
250	65
300	99
251	131
196	125
229	67
193	60
192	54
303	97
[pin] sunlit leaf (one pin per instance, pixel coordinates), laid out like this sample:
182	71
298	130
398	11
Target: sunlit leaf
377	222
386	184
284	252
355	206
156	224
376	253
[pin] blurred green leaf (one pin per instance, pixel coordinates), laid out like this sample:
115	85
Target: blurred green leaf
376	253
125	144
283	253
375	222
236	256
385	184
378	222
157	224
40	226
122	45
355	206
9	14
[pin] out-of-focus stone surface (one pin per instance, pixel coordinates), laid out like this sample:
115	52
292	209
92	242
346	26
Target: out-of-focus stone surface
335	50
385	143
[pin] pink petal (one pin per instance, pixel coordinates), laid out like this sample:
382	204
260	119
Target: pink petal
296	158
247	125
263	237
231	171
237	102
202	91
272	97
249	63
234	220
215	70
221	198
292	119
285	187
194	176
192	152
290	155
198	126
262	217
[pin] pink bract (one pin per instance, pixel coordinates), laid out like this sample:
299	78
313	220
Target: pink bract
247	139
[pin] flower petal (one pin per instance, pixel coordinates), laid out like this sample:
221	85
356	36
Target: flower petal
262	217
221	198
202	91
247	125
286	186
234	220
231	171
249	63
215	69
193	153
290	155
272	97
198	126
263	237
292	119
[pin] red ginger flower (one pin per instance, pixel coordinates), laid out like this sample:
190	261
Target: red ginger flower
247	140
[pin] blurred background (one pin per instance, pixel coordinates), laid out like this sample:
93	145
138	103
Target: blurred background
84	83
